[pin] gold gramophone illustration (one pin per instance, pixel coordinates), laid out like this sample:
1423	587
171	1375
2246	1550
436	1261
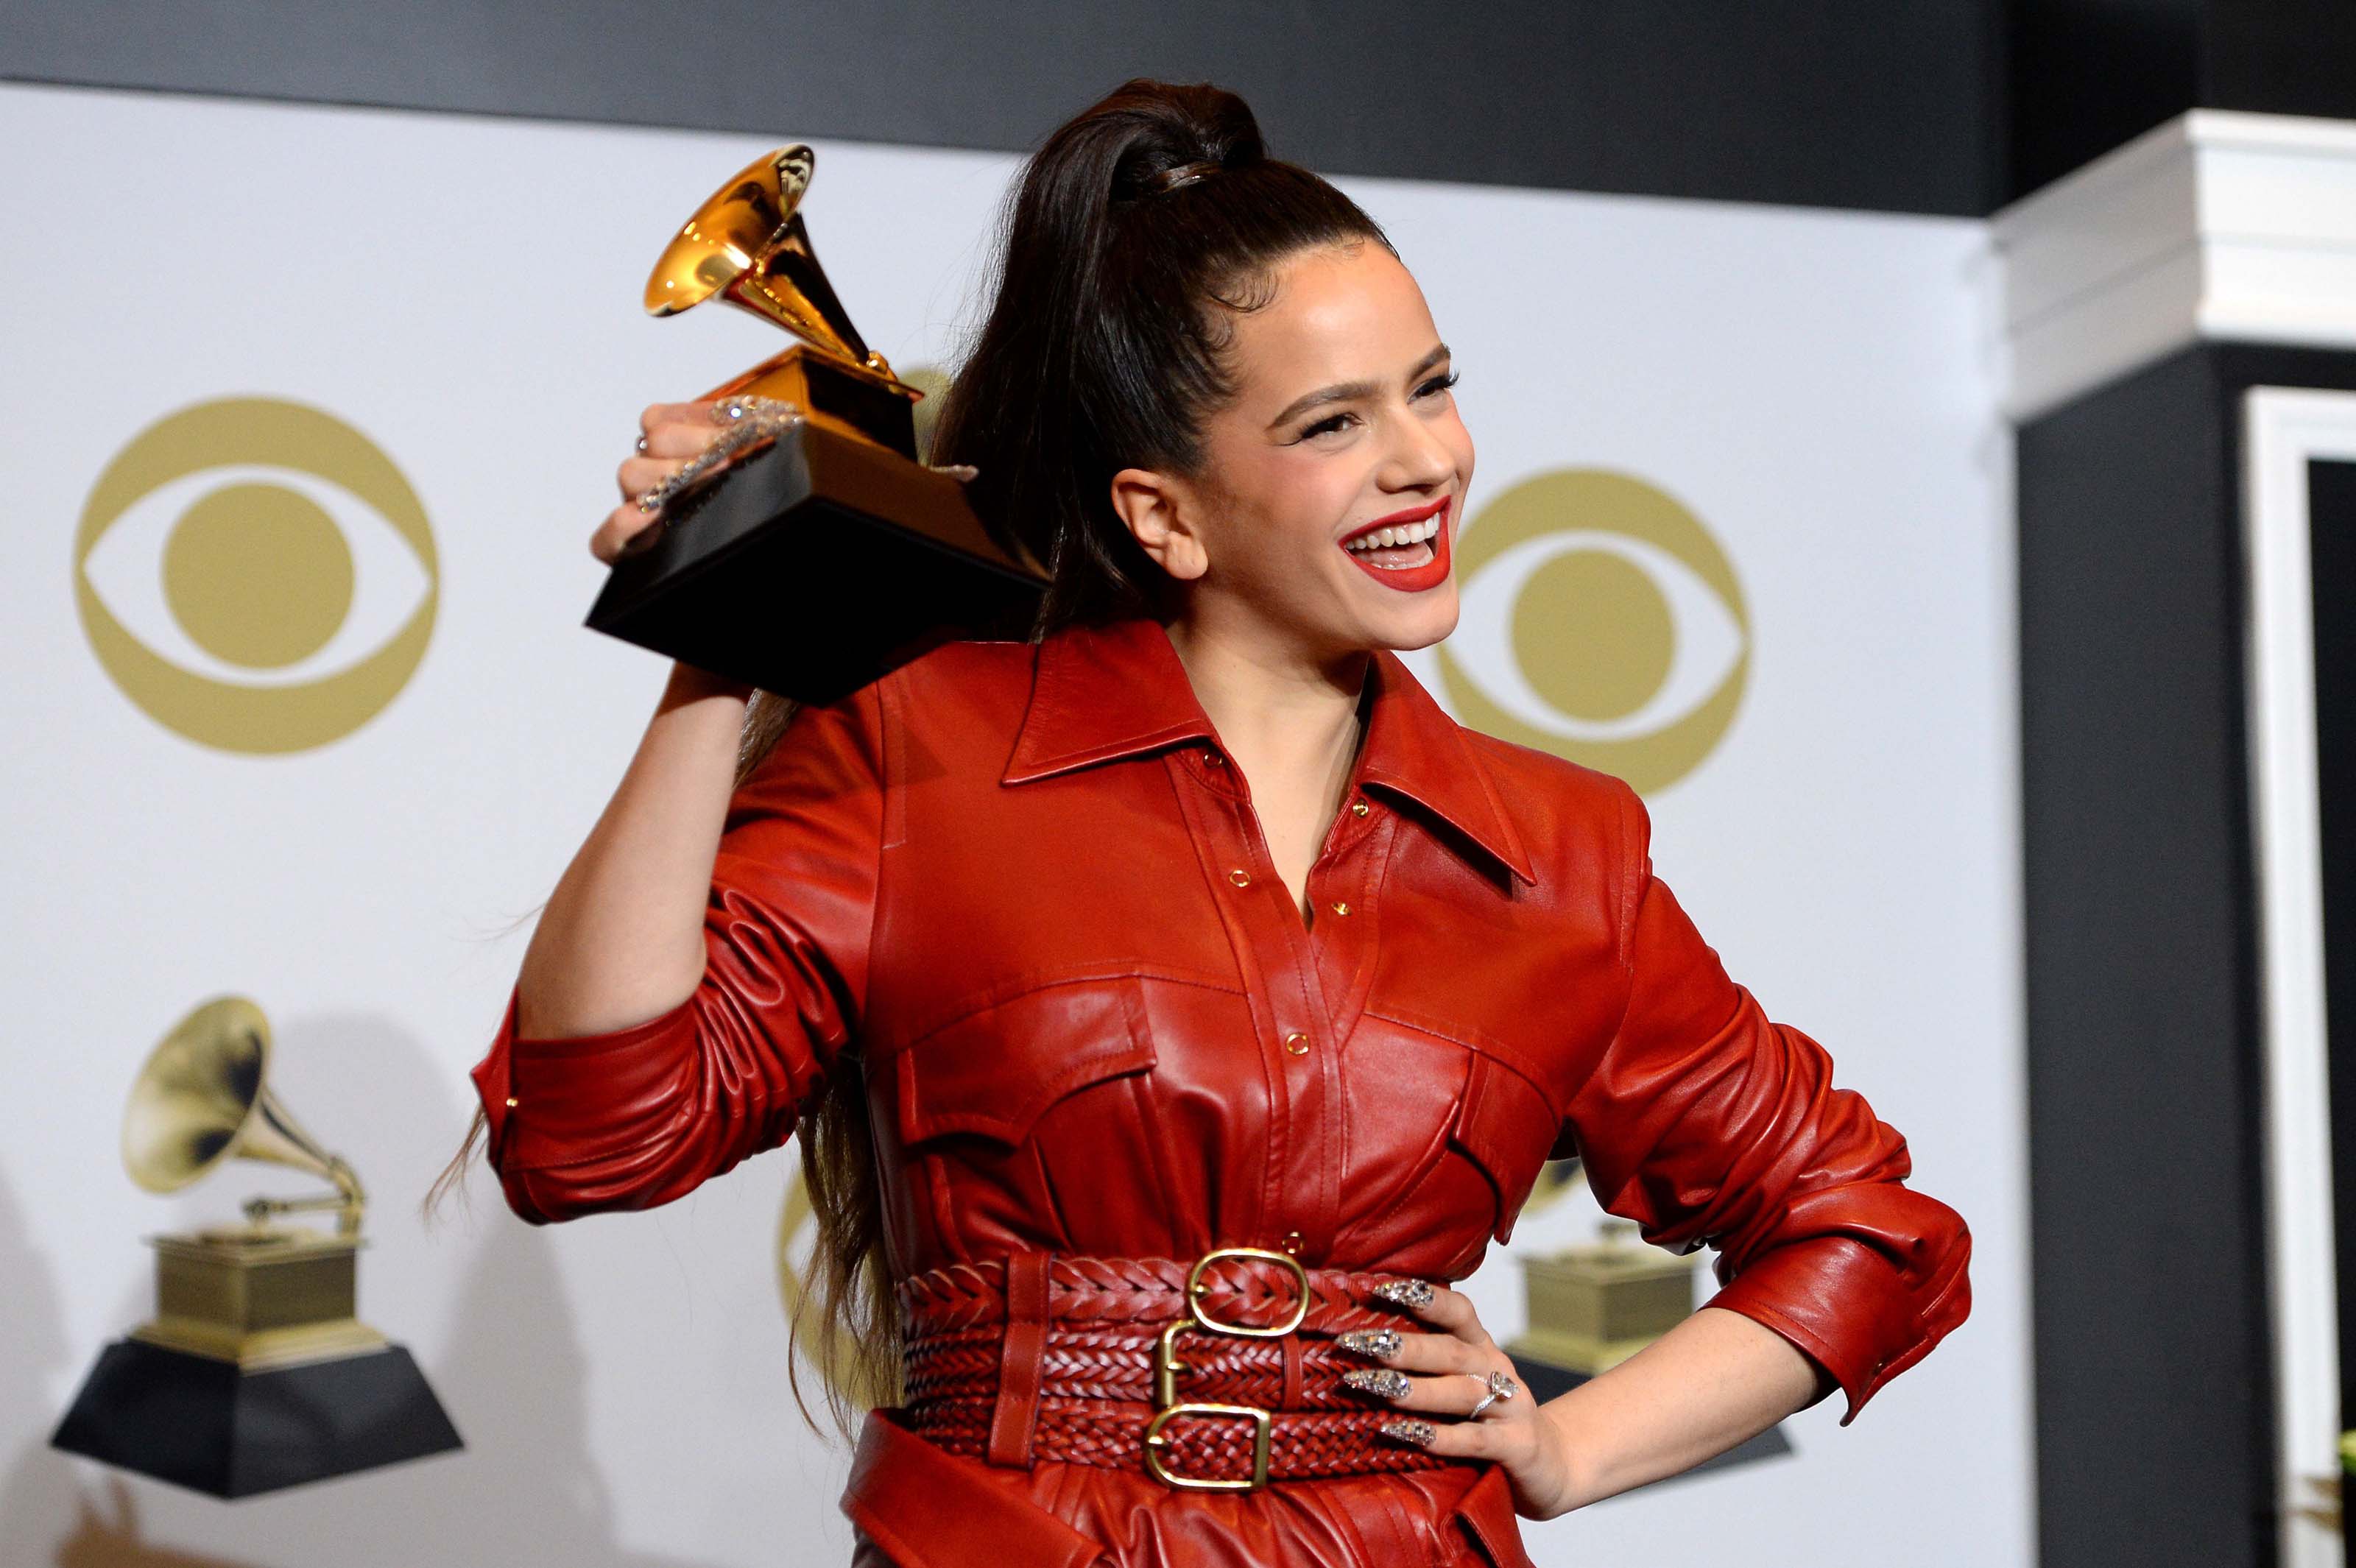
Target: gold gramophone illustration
259	1294
255	1371
814	562
1591	1307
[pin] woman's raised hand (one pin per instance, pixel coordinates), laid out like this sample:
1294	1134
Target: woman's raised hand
1437	1379
670	433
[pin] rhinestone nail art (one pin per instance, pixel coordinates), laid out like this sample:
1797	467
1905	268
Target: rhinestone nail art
1380	1381
1420	1433
1382	1344
1404	1292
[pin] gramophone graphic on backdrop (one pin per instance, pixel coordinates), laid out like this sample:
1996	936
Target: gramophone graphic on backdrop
826	554
254	1373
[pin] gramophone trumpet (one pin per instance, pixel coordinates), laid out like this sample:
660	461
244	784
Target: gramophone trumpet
747	244
202	1099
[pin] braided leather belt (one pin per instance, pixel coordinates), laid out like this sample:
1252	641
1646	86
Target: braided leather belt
1085	1359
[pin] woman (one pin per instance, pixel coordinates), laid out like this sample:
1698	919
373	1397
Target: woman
1171	1004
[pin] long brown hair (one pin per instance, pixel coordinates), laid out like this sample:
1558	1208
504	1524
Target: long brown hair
1134	236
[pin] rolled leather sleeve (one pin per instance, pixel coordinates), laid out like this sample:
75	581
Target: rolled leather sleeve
1707	1122
641	1116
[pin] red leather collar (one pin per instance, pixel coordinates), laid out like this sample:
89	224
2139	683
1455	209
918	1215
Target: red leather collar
1101	693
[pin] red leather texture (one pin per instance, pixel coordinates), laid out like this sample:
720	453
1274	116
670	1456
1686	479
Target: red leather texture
1022	887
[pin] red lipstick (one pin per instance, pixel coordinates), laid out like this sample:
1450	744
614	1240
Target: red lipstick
1407	578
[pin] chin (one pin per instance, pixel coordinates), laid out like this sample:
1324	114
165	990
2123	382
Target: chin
1412	626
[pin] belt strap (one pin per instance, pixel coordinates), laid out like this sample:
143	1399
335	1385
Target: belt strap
1022	1362
1222	1373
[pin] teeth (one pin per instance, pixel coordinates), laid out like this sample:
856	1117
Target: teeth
1405	534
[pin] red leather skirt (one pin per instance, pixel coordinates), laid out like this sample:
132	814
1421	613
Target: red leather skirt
915	1506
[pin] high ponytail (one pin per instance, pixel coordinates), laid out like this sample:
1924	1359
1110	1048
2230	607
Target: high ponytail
1133	237
1135	233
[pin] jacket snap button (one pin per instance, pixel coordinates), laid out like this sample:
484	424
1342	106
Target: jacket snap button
1357	809
511	1102
1297	1043
1240	876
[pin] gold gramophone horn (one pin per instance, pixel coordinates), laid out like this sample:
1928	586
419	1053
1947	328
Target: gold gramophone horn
202	1099
747	244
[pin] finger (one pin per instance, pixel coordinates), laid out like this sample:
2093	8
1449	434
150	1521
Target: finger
639	475
680	440
1441	1393
653	415
621	525
1450	1311
1512	1444
1433	1353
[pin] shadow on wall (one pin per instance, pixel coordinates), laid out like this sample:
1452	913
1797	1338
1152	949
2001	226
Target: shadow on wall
525	1493
38	1499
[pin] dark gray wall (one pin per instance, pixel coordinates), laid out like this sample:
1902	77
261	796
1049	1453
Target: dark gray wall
2154	1370
1849	103
2084	76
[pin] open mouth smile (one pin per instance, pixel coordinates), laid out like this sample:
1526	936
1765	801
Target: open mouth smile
1406	551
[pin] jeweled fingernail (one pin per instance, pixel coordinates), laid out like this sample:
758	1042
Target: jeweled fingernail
1380	1381
1404	1292
1382	1344
1420	1433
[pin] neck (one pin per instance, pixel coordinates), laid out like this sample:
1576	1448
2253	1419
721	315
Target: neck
1270	703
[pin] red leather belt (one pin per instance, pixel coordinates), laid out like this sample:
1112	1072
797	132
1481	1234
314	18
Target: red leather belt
1219	1375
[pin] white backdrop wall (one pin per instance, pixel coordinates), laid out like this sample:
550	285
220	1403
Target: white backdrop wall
1817	389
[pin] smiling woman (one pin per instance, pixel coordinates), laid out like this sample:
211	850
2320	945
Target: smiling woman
1170	1006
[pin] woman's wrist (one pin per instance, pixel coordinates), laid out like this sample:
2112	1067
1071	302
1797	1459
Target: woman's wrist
1575	1462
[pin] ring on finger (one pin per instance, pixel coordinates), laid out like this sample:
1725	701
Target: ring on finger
1500	1388
642	446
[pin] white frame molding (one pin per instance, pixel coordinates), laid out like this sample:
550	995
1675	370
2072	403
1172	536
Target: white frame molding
2216	225
2283	429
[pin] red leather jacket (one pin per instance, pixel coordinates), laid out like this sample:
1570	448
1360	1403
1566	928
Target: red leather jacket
1023	884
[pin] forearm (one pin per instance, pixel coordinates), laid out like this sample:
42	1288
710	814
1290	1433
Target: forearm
1715	1381
622	938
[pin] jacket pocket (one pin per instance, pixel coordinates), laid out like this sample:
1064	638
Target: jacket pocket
1505	1124
994	1072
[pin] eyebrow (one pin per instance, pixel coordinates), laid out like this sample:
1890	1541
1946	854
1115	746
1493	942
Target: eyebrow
1344	391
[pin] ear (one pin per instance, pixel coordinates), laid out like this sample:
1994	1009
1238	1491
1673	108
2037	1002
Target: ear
1153	507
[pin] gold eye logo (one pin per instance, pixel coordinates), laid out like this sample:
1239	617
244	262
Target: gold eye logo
225	591
1601	623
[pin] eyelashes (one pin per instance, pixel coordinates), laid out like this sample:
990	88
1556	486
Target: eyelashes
1333	423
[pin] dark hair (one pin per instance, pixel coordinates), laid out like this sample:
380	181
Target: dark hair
1135	234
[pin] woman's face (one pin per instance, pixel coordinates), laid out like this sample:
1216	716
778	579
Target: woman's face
1330	487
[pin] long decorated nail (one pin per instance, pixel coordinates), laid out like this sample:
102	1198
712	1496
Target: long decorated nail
1420	1433
1380	1381
1382	1344
1413	1292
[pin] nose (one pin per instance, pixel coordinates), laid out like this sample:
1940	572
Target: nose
1417	458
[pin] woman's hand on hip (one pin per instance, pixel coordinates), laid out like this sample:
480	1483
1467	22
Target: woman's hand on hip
1452	1367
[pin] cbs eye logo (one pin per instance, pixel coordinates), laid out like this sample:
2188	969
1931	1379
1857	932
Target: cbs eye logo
256	575
1600	622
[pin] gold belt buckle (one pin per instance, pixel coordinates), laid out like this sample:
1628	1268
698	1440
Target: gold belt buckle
1167	1366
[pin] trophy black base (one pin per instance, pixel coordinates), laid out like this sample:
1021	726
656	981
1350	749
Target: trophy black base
200	1423
815	567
